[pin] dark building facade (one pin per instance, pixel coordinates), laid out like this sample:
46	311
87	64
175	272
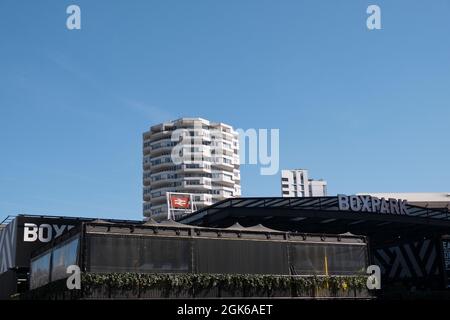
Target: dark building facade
169	247
409	243
19	238
274	236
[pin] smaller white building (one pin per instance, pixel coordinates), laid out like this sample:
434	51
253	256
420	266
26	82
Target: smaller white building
296	183
422	199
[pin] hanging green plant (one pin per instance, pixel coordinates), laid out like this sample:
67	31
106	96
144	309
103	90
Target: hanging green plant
192	283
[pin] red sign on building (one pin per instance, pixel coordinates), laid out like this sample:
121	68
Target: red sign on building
180	201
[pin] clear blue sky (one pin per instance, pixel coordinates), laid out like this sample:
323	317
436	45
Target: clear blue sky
365	110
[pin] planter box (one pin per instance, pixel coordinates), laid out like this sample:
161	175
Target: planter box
124	294
230	293
180	294
280	293
303	292
207	293
341	293
363	293
150	293
98	293
164	290
255	292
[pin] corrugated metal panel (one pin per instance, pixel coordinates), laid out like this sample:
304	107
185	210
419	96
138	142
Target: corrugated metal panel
8	243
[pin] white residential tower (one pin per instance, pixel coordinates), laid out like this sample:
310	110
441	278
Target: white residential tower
209	167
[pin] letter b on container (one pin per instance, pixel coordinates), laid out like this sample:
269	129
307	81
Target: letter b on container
344	203
33	232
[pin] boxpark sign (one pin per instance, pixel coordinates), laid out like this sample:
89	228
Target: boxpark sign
371	204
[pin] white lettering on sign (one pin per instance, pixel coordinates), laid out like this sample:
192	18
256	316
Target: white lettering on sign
44	232
74	280
374	20
74	20
374	280
373	205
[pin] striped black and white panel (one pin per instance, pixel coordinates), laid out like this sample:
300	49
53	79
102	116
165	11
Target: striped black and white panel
412	260
8	246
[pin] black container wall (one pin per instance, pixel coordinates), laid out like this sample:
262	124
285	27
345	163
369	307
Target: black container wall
412	263
26	234
8	284
142	251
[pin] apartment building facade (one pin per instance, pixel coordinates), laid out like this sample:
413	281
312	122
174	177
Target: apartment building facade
296	183
189	155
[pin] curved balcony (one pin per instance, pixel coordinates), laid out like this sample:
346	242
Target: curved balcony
155	136
193	185
191	168
162	183
147	150
165	162
147	181
221	164
161	150
223	181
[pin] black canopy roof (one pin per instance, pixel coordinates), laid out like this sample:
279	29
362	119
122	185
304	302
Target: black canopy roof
319	215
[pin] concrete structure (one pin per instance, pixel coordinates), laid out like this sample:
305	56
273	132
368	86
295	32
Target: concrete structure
189	155
296	183
423	199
